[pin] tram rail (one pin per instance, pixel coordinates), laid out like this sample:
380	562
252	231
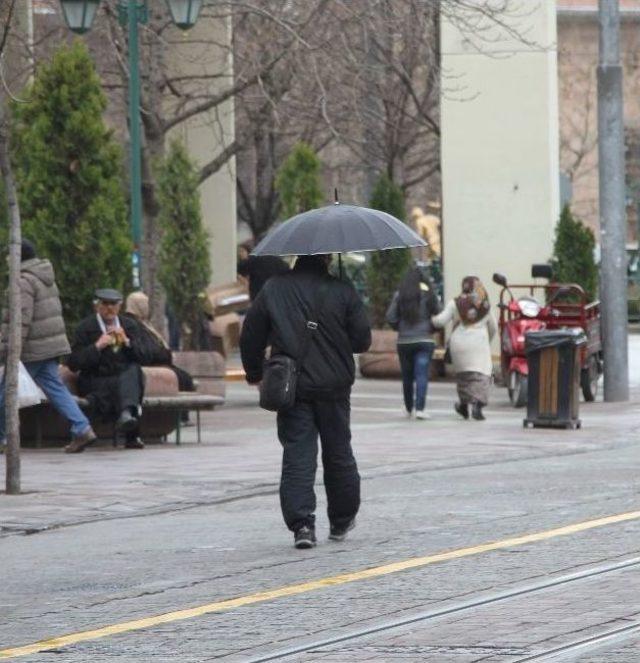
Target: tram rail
482	601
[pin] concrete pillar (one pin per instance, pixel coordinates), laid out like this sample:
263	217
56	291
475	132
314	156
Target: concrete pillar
197	53
500	171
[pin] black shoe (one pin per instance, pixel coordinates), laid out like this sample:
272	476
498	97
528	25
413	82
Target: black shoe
126	422
134	443
305	537
476	412
462	409
340	533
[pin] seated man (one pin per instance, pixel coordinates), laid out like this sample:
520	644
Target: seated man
107	352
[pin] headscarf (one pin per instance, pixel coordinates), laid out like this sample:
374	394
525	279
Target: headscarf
137	305
473	302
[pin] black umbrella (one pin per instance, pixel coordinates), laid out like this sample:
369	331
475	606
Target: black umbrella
338	228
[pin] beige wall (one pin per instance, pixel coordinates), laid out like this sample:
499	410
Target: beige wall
499	149
208	134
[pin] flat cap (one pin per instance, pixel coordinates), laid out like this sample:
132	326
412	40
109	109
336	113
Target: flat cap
108	295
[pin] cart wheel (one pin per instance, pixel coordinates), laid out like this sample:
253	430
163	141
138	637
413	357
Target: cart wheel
589	377
518	384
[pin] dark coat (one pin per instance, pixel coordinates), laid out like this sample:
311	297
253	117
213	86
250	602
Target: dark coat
278	317
91	362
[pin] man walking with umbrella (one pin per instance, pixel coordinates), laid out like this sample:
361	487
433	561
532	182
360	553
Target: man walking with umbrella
308	300
318	322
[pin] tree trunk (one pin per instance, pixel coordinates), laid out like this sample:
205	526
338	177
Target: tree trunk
153	151
15	312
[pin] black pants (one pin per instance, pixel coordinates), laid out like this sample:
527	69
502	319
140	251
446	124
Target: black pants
109	395
298	430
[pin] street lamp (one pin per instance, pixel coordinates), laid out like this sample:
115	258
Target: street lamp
184	12
79	15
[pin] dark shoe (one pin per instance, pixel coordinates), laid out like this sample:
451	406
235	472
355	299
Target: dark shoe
126	422
305	537
340	533
476	412
134	443
462	409
81	442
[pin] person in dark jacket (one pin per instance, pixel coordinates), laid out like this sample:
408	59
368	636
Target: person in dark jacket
409	314
259	269
108	353
279	317
44	341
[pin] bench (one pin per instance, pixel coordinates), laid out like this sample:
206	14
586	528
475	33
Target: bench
177	404
161	410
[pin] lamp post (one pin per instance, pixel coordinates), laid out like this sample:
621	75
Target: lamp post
79	15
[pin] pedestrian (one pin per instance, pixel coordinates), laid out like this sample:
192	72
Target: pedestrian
44	341
259	269
108	353
470	345
409	313
308	306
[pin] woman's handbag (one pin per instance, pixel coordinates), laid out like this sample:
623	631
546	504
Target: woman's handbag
447	355
280	372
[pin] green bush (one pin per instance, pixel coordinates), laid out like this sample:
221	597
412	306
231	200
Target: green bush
573	260
298	181
184	269
386	268
70	185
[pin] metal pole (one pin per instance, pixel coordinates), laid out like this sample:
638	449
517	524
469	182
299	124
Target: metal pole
134	130
611	167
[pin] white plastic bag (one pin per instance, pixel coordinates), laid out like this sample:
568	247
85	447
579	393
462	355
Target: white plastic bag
28	391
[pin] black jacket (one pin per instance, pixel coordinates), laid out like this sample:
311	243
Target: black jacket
90	361
278	318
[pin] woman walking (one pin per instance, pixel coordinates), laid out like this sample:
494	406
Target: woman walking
410	314
470	345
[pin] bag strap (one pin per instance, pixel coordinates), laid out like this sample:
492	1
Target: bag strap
312	325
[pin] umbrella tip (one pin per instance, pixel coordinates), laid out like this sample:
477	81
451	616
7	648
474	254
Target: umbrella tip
335	194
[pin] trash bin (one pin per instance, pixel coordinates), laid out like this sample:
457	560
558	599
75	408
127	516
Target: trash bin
553	397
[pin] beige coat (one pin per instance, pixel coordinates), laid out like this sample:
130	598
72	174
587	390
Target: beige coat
470	345
43	330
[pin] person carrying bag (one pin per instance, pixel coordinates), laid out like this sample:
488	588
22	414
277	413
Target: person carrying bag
314	324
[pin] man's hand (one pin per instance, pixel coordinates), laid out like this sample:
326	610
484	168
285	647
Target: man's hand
104	341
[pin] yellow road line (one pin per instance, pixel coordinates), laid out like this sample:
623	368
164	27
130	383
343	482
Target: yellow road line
292	590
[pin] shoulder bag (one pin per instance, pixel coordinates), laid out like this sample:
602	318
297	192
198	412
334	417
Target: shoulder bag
280	372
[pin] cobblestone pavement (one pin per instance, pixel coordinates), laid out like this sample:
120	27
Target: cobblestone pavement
123	535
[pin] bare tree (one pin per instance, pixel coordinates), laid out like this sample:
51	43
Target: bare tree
14	341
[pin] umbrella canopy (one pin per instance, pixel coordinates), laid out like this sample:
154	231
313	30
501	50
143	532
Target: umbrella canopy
338	229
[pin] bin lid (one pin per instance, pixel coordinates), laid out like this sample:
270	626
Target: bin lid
552	338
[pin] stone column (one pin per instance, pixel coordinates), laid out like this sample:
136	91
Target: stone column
209	133
500	170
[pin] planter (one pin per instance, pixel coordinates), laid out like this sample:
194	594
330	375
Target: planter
381	359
